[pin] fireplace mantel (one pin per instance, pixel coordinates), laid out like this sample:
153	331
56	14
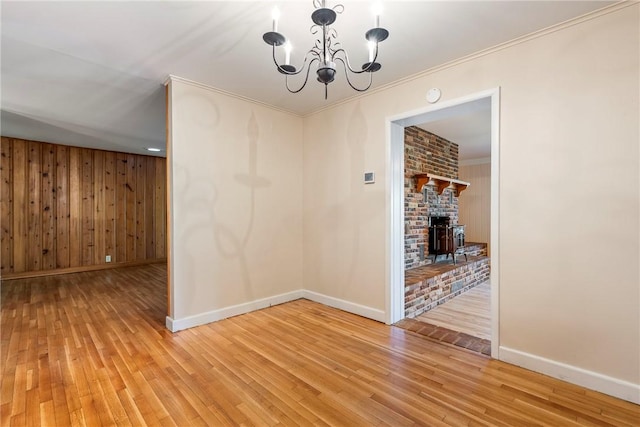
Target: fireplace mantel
440	182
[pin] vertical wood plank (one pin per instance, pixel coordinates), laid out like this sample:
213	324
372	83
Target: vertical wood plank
140	199
121	207
48	207
20	200
6	204
99	218
149	200
160	217
62	207
67	207
75	207
87	192
475	203
110	204
130	210
34	228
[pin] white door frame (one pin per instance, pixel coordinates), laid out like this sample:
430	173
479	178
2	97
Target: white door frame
395	205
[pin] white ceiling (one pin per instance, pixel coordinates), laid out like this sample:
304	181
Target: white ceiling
469	126
91	73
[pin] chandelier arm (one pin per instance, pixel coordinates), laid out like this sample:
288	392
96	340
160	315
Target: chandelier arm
346	73
305	79
326	50
347	64
290	73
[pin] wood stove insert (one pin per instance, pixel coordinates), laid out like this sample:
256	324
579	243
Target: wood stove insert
445	238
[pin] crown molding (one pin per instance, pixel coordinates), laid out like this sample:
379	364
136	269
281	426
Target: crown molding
174	78
519	40
514	42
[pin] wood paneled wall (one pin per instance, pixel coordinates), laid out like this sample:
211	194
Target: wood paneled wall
474	207
66	207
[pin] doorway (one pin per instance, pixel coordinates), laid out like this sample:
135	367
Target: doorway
396	226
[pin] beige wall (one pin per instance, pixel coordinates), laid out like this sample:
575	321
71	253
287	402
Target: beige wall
236	197
569	188
474	204
344	219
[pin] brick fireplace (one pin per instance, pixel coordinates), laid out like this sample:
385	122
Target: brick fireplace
425	152
427	286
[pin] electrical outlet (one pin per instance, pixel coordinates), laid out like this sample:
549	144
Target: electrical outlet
107	258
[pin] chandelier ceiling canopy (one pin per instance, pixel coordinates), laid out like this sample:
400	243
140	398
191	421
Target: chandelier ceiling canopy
327	50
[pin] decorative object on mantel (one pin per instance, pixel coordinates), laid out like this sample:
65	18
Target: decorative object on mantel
326	50
441	183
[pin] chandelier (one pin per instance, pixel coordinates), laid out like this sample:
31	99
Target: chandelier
326	50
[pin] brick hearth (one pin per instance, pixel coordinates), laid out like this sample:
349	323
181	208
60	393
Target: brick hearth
428	286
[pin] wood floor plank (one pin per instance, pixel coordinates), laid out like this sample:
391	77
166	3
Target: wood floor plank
469	312
90	349
47	412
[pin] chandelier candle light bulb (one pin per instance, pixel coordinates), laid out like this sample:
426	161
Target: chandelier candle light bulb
327	50
287	53
377	11
275	15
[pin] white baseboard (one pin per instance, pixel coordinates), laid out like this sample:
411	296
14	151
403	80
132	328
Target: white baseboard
582	377
360	310
175	325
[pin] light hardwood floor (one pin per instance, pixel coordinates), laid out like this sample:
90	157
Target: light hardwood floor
91	349
469	312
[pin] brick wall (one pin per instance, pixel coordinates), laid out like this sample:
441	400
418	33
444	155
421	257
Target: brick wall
423	295
475	249
425	152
